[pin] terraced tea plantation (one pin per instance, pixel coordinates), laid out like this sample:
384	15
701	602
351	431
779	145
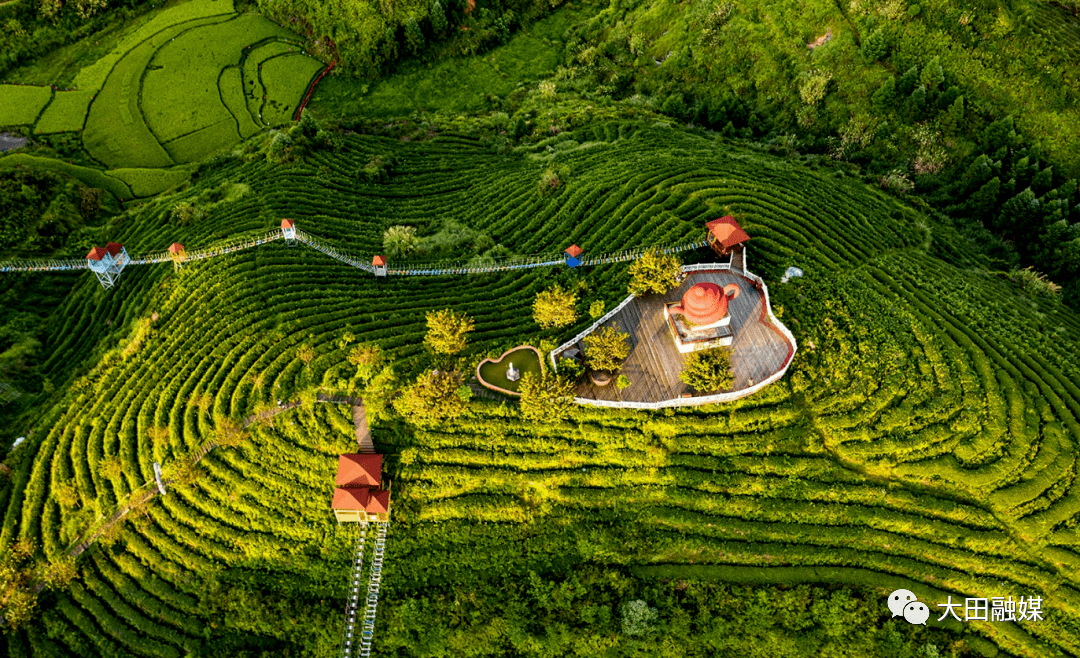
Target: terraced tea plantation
923	438
193	80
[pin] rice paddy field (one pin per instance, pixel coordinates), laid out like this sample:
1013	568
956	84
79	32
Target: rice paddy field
923	437
175	89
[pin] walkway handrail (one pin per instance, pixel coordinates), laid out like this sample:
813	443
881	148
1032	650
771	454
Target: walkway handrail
433	268
699	399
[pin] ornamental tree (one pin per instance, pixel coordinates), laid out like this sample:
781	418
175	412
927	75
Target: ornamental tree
431	399
447	330
399	241
546	398
554	307
708	370
367	357
656	273
607	348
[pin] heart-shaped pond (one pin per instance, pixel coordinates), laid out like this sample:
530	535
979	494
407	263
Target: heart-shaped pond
495	374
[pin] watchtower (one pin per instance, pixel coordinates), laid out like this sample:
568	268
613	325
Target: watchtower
573	253
178	255
726	238
108	262
288	230
379	263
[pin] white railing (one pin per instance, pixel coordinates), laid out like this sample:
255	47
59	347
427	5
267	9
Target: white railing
701	399
367	634
219	249
406	269
350	642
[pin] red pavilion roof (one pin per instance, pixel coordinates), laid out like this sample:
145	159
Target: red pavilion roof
287	223
359	471
113	248
97	253
176	248
372	501
727	231
573	251
705	303
378	261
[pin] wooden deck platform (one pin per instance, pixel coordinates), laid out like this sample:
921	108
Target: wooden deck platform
757	351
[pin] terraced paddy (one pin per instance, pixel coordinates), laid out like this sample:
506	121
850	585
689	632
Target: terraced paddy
176	89
922	438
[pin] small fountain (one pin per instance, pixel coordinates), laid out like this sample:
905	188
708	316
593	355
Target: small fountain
512	373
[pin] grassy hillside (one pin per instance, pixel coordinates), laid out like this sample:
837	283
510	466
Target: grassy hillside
923	437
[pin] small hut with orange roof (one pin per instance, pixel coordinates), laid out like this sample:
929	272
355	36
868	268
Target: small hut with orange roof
288	229
358	494
178	255
107	262
727	238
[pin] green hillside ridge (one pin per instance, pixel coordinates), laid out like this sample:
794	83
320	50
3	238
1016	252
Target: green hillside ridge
903	446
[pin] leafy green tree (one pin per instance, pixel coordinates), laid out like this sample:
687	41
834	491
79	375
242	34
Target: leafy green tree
596	309
1042	181
954	117
1020	213
999	134
431	399
638	619
906	84
876	46
554	307
915	105
378	391
885	97
447	330
399	241
414	37
655	273
367	357
932	74
546	398
607	348
438	18
986	198
708	370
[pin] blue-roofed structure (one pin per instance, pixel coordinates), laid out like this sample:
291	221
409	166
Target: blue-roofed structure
573	255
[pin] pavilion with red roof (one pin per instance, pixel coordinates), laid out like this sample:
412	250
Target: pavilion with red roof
727	238
358	494
379	263
573	253
178	254
288	229
107	262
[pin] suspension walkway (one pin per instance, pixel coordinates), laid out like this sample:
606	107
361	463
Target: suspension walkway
440	268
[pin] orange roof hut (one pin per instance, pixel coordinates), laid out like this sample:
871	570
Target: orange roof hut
359	471
108	262
178	255
573	253
358	496
725	234
288	229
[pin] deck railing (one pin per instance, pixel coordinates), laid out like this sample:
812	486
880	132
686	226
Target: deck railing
700	399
